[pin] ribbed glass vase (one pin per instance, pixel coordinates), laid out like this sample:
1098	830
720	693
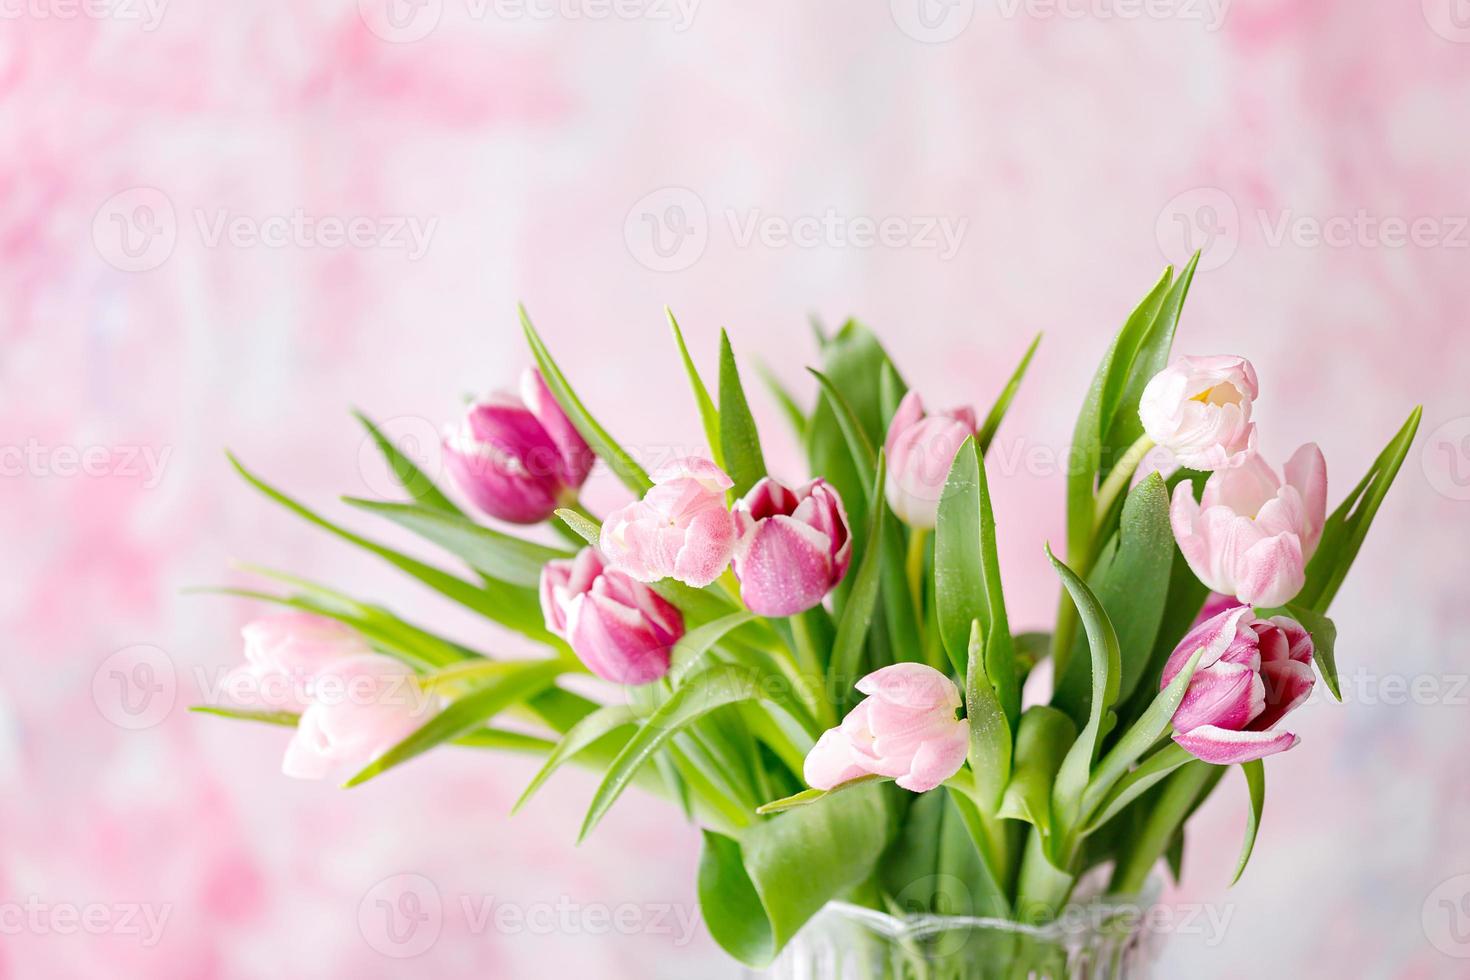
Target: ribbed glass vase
1095	940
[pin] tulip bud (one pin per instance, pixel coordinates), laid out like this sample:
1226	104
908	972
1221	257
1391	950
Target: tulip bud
920	451
518	458
1200	409
1252	673
359	708
906	728
794	546
283	653
1250	535
619	627
680	529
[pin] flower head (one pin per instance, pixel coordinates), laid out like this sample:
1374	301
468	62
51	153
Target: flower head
619	627
794	546
680	529
1200	408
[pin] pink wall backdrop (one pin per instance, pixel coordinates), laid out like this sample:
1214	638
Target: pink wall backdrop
222	225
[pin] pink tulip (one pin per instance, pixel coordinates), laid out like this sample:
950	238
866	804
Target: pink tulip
680	529
359	708
283	653
518	457
906	728
1253	672
920	450
1250	535
1200	408
794	546
619	627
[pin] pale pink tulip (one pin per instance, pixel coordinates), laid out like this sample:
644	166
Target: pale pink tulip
906	728
359	708
920	450
680	529
283	653
1250	535
518	457
794	546
1200	409
619	627
1253	672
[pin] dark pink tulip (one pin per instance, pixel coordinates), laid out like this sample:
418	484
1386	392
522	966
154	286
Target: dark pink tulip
1253	672
794	546
619	627
518	456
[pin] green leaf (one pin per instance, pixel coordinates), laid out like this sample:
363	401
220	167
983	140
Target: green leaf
1003	403
1161	822
1042	740
1096	417
407	473
934	865
585	527
859	445
1140	737
481	738
857	614
787	402
809	796
689	652
1102	639
1131	580
718	685
967	577
494	553
1149	357
1346	528
1136	783
591	729
1255	779
990	732
516	682
515	607
709	416
739	441
1324	643
284	719
758	891
597	438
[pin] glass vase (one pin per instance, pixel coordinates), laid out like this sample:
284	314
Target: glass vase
1095	940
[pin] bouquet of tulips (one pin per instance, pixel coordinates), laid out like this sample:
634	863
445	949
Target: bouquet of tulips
822	674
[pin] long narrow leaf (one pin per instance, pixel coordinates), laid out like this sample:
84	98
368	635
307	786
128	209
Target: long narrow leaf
740	443
409	476
591	729
709	416
1255	779
1002	404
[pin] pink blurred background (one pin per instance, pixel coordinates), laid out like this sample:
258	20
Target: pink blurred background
161	301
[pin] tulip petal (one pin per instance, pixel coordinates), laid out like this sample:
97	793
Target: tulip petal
1271	572
1307	472
784	567
916	686
831	762
614	641
937	759
576	457
1214	635
1288	684
1222	747
1226	695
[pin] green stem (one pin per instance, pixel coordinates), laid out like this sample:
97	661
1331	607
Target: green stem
914	568
809	666
1163	821
1043	889
1117	482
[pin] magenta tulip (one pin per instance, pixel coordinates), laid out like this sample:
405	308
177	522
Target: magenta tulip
1200	409
1251	535
619	627
920	450
680	529
1253	672
906	729
794	546
359	708
518	457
